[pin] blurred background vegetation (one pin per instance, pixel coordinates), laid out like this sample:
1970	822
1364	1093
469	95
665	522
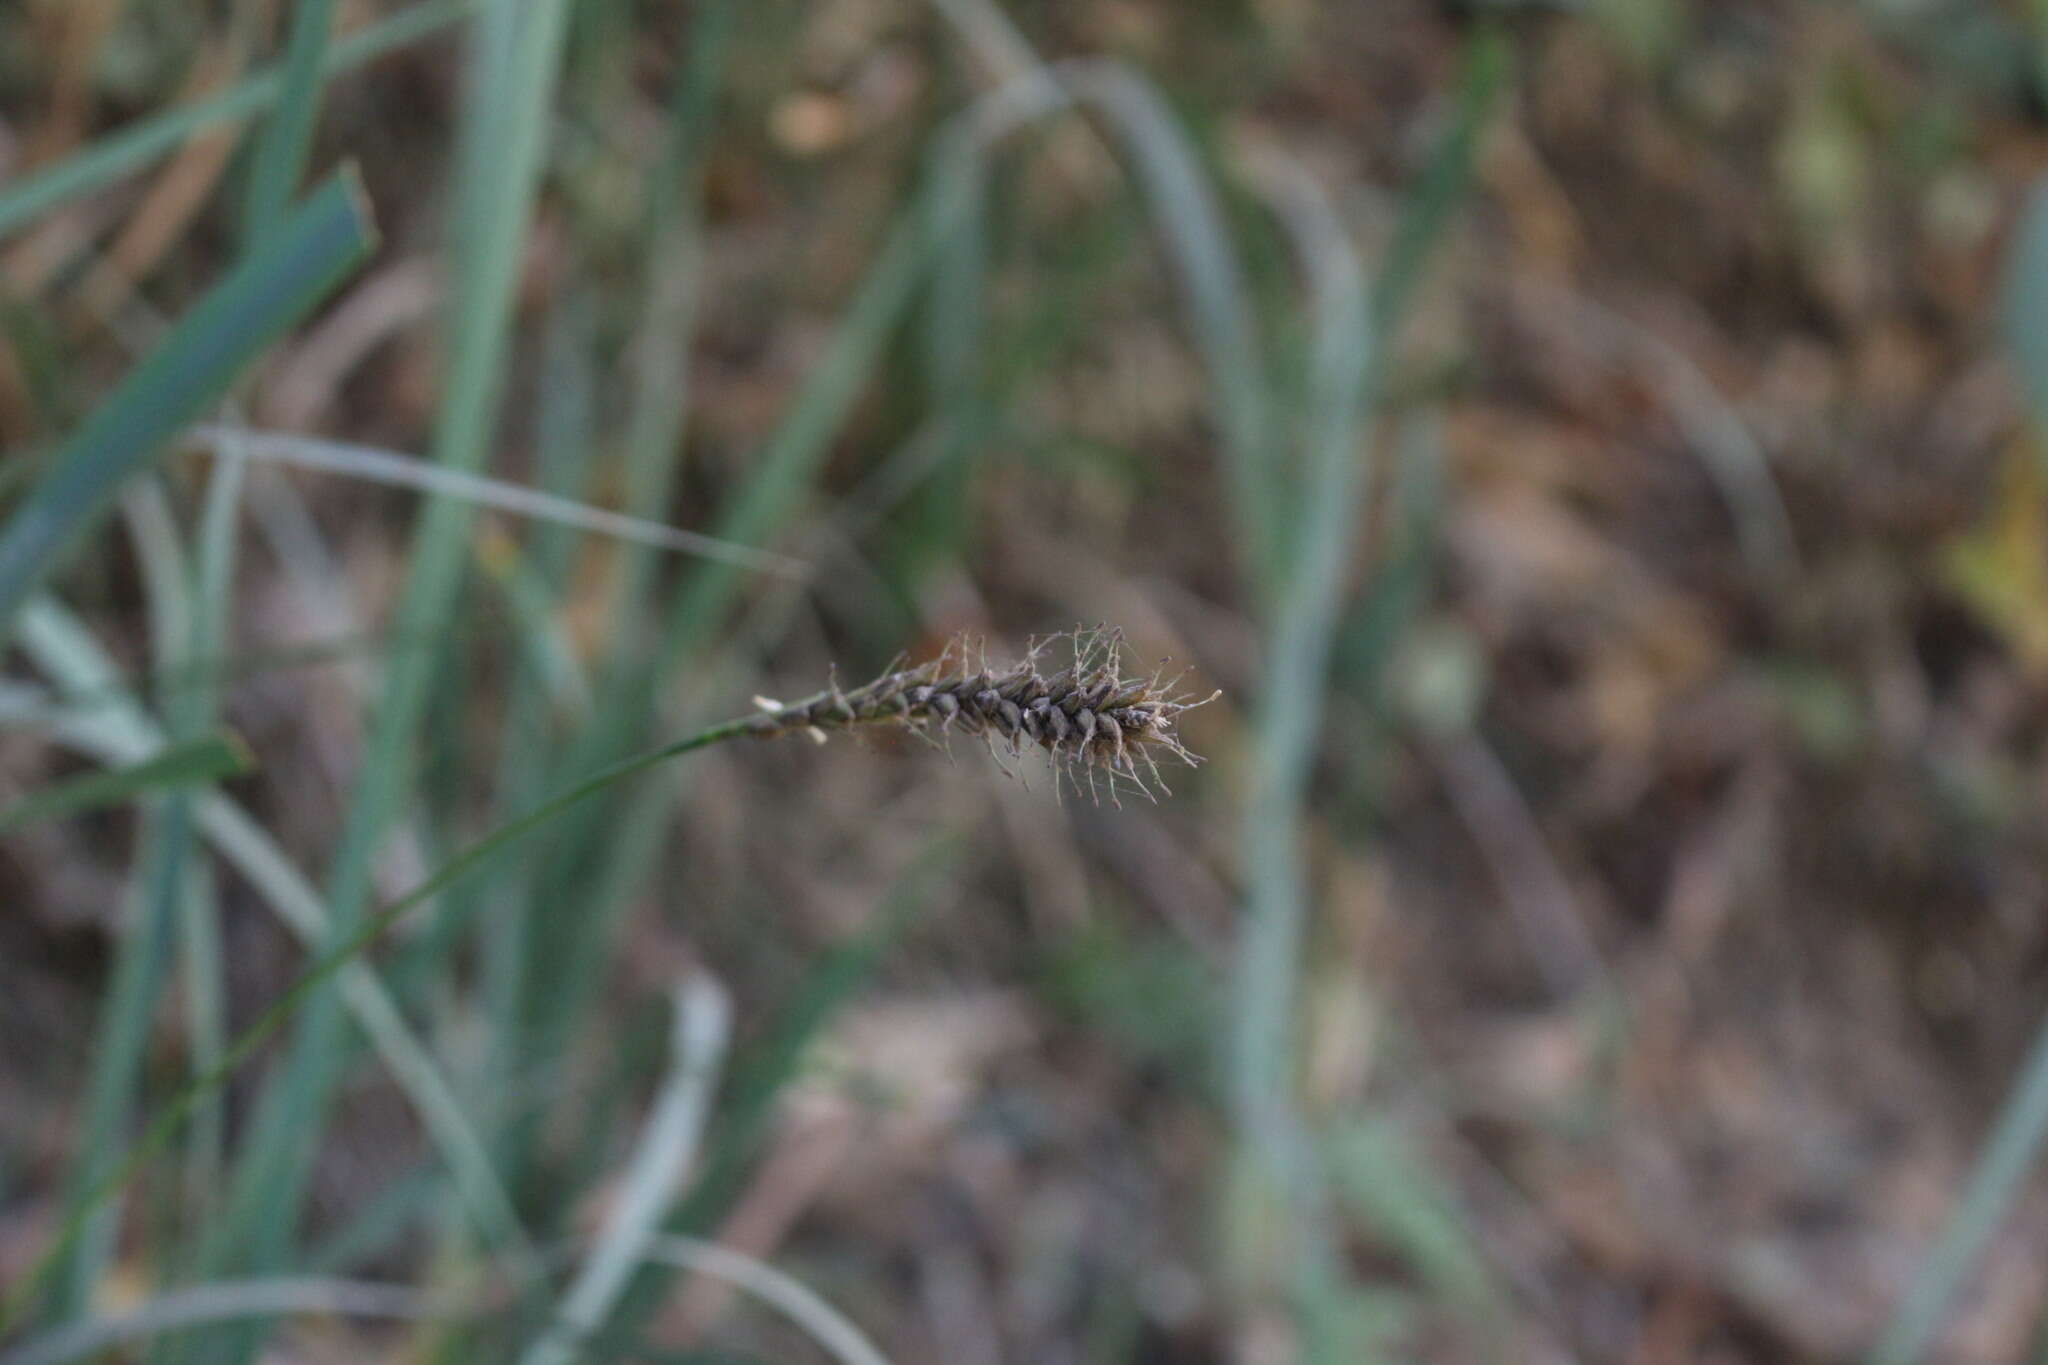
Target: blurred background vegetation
1588	444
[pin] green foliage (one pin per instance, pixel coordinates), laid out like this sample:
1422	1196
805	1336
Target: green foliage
210	759
518	933
313	251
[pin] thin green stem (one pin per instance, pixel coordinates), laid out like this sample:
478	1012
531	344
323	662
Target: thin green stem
167	1123
1988	1198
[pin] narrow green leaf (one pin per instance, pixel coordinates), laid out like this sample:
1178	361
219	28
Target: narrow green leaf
1335	431
1990	1194
269	292
760	1074
211	759
2014	1147
2025	314
129	150
787	465
1191	226
173	1115
280	157
508	113
1445	180
671	261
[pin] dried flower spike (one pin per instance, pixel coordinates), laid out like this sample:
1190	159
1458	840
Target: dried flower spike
1088	718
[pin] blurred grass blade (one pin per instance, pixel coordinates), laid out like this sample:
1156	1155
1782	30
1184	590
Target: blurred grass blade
529	749
1992	1192
191	712
2026	308
528	982
1276	1166
831	1329
671	262
229	1300
760	1074
1190	221
1276	1159
172	1116
509	102
264	296
1444	182
2016	1141
159	546
394	470
120	1046
183	615
114	729
786	467
211	759
666	1152
121	153
1388	1178
279	160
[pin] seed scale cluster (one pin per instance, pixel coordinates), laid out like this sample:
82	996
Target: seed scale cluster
1087	718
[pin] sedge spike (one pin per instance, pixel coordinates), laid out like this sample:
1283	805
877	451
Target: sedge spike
1089	718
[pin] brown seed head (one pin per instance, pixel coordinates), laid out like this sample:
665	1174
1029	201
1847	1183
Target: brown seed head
1087	717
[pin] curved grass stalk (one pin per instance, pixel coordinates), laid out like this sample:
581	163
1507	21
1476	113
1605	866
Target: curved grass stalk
116	731
831	1329
508	104
667	1151
373	465
173	1115
1105	695
1991	1192
226	1303
802	1305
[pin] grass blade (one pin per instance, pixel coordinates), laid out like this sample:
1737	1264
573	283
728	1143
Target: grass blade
2016	1140
143	950
2026	304
1349	335
1443	184
1275	1161
192	712
217	1302
783	475
116	730
1990	1194
264	296
528	982
120	1042
129	150
280	156
211	759
394	470
790	462
173	1115
761	1072
667	1150
1190	221
529	748
507	115
831	1329
673	250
